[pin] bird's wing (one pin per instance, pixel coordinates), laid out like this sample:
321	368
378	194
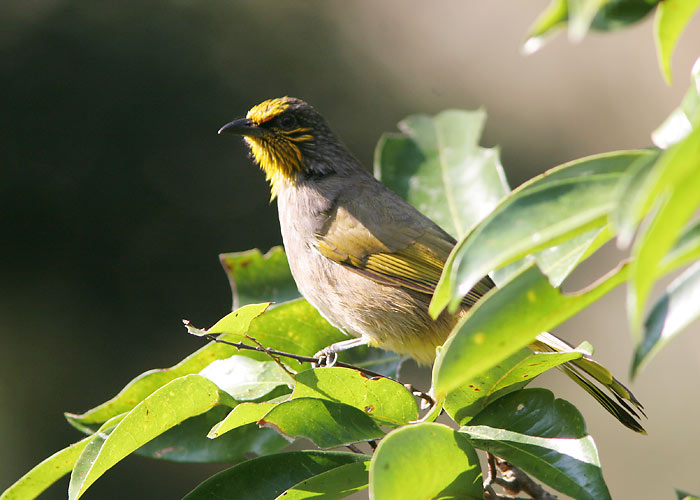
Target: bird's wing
383	238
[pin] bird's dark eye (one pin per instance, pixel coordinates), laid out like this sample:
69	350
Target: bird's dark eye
287	122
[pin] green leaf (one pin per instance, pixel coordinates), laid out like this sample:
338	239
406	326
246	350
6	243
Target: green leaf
188	441
146	383
677	189
686	249
553	207
242	414
548	24
545	438
331	485
425	460
294	327
581	15
255	277
684	118
674	311
327	423
508	319
246	379
34	482
559	261
686	496
386	363
265	478
385	401
168	406
510	375
438	167
43	475
617	14
672	16
632	198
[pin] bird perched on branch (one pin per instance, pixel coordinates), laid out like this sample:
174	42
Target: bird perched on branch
364	257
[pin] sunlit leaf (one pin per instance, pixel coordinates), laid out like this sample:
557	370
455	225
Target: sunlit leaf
547	24
267	477
581	15
425	460
327	423
508	319
675	310
255	277
544	437
143	385
509	375
558	205
173	403
672	16
438	166
43	475
331	485
246	379
242	414
387	402
677	191
686	249
683	119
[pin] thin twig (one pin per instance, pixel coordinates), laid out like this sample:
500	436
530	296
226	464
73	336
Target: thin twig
276	359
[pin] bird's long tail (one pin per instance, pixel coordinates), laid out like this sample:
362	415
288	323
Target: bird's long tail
625	407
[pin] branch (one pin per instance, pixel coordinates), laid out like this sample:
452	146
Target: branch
512	480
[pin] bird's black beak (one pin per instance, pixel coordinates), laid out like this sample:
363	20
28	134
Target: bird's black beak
243	126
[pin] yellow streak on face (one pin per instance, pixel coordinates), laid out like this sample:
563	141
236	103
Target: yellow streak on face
267	110
278	157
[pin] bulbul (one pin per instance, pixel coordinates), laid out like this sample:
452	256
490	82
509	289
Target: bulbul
364	257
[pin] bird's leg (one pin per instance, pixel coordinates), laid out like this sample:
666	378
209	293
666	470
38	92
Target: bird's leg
329	355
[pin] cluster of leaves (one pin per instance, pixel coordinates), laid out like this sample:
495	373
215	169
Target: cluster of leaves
579	16
223	405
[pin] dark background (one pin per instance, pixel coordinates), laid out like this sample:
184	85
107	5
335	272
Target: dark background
116	194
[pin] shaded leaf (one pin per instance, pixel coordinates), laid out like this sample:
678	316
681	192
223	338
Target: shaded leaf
386	363
146	383
168	406
510	375
508	319
545	438
438	166
553	207
255	277
425	460
672	16
581	15
267	477
686	496
331	485
188	442
617	14
674	311
328	424
246	379
385	401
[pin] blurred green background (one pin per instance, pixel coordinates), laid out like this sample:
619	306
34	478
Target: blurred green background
116	194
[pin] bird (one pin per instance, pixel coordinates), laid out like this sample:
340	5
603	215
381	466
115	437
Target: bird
365	258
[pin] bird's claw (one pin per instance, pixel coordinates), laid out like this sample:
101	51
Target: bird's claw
326	358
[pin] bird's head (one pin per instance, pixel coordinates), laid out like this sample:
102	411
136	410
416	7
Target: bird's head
288	139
